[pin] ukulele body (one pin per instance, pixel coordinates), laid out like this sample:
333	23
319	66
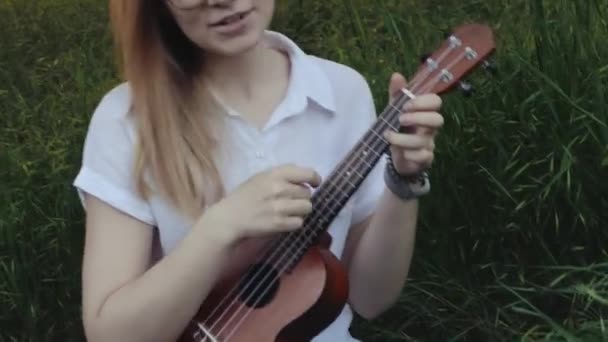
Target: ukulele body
303	303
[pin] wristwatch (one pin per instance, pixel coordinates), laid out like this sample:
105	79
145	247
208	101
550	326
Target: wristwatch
406	187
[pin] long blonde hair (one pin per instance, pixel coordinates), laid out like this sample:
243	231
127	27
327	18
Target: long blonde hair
161	66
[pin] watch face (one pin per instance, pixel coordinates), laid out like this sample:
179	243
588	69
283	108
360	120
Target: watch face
421	184
406	187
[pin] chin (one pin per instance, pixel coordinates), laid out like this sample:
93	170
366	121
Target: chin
236	45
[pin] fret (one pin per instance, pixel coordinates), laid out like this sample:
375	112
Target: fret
389	124
378	135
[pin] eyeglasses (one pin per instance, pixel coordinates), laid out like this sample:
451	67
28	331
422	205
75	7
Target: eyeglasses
186	4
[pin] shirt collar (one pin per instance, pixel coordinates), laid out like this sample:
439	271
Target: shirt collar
308	82
307	77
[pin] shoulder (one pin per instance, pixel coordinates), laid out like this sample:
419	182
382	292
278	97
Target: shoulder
343	78
115	104
349	89
111	116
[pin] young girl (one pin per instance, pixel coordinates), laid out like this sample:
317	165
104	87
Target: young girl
216	141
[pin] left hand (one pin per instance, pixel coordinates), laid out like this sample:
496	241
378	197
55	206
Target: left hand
413	152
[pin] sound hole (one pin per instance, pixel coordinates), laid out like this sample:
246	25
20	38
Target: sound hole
259	286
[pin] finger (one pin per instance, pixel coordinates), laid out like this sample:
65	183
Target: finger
293	222
406	141
296	207
421	156
299	207
397	82
298	175
420	131
425	102
289	223
432	120
283	190
298	191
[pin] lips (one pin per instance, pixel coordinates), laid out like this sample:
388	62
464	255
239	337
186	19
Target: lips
230	19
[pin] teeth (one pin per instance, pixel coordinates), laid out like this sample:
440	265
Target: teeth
231	19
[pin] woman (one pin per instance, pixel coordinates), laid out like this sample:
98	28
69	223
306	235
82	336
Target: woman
216	140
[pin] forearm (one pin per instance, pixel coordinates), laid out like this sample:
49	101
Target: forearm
380	264
158	305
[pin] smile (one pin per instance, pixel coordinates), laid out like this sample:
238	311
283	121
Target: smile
231	19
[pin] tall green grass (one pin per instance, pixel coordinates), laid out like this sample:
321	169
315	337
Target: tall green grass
512	241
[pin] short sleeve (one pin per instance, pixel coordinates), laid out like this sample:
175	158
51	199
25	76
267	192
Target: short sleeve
108	158
366	197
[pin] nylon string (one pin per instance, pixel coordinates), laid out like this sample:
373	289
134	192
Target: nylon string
291	257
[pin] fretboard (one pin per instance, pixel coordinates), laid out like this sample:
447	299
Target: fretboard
340	185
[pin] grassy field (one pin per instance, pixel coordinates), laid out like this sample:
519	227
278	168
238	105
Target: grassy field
512	243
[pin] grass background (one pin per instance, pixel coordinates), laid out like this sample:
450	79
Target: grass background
512	243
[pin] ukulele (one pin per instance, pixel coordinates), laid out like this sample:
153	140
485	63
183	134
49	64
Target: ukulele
298	287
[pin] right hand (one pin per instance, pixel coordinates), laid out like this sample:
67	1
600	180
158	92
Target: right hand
273	201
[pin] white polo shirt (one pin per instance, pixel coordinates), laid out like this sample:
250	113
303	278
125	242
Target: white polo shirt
327	108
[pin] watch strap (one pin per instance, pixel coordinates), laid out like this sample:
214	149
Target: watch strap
406	187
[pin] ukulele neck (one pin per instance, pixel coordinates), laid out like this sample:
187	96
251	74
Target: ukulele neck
343	182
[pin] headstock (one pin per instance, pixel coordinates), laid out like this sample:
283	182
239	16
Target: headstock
464	50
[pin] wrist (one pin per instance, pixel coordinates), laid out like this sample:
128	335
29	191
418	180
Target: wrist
211	225
406	187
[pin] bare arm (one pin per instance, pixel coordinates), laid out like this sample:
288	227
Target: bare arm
124	299
379	250
378	254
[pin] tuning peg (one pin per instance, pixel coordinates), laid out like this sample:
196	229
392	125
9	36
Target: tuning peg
490	67
466	88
